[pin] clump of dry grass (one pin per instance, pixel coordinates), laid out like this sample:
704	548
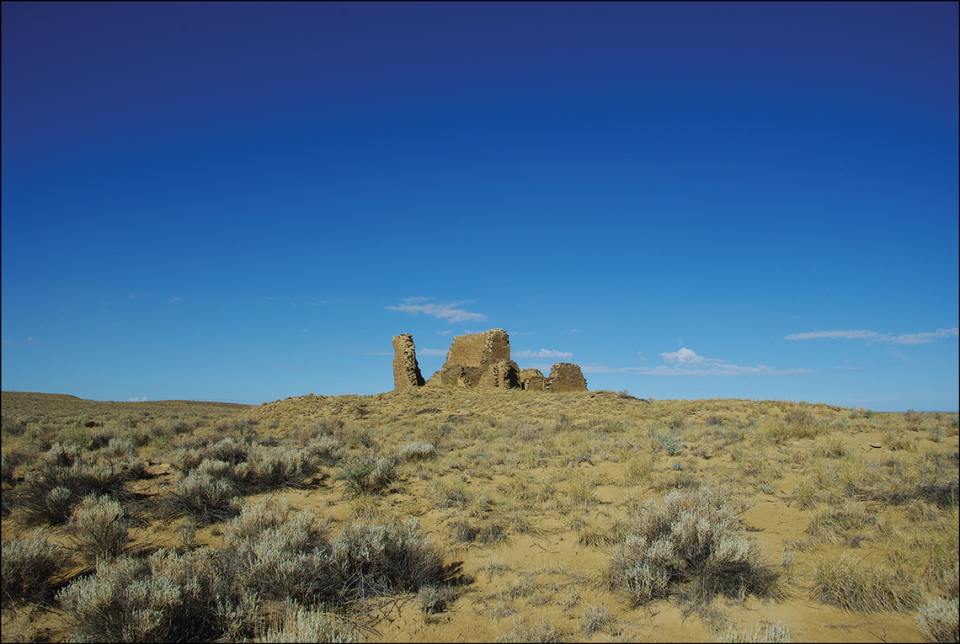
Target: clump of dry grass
300	624
531	631
765	633
847	581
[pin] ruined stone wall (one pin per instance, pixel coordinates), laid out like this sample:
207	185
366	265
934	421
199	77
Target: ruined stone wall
502	375
566	376
532	379
481	360
406	371
479	349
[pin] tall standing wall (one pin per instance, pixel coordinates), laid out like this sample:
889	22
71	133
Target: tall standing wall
406	371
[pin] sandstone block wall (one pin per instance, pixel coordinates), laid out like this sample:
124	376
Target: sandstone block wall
502	375
566	376
532	379
479	349
481	360
406	371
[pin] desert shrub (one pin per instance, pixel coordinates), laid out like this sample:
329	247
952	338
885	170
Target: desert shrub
98	528
67	474
10	461
668	442
767	634
353	436
29	565
205	494
168	597
800	417
281	553
308	625
271	468
253	467
13	426
846	581
373	559
368	476
227	450
690	541
326	450
416	452
939	621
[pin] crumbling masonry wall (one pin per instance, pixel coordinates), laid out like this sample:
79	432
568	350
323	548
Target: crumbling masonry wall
406	371
481	360
566	376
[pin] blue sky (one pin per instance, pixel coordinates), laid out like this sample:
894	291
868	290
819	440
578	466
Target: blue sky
244	202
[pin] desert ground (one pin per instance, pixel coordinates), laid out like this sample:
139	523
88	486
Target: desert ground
447	515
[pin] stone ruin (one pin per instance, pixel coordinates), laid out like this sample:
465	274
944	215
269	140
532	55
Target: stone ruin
406	371
480	360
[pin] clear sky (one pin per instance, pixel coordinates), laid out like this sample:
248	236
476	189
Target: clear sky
244	202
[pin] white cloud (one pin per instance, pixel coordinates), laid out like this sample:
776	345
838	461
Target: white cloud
447	332
144	399
432	352
543	353
444	311
687	363
683	356
905	338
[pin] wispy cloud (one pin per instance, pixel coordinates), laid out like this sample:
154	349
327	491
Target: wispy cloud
443	311
543	353
144	399
687	363
904	338
28	341
432	352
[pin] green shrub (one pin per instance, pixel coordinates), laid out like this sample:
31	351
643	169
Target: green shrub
689	541
29	565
